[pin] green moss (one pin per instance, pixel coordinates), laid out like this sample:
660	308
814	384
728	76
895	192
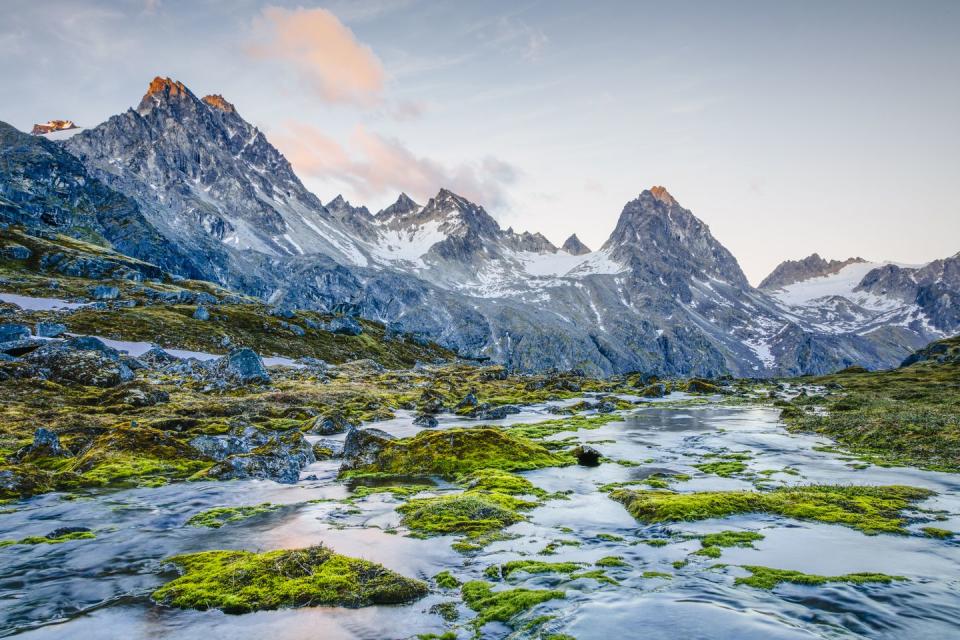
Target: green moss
446	635
551	548
502	606
869	509
470	513
501	482
609	537
936	532
611	561
67	537
724	469
446	580
539	430
744	539
504	571
219	516
767	578
241	581
595	574
656	574
453	452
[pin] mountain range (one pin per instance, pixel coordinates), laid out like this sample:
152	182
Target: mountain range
187	184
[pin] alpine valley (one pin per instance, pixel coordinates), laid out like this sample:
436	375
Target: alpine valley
186	184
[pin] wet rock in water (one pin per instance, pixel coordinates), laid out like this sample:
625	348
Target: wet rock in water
219	447
242	366
655	390
486	412
11	332
425	420
469	401
66	531
362	446
85	361
328	424
559	411
46	444
104	292
201	314
586	456
605	406
325	448
23	482
698	385
280	459
50	329
345	325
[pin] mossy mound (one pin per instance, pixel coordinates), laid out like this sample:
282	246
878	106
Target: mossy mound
500	482
219	516
242	581
871	510
472	513
697	385
502	606
135	455
505	570
453	452
767	578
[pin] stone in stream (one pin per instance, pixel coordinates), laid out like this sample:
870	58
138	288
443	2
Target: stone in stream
586	456
425	420
328	424
362	446
65	531
280	459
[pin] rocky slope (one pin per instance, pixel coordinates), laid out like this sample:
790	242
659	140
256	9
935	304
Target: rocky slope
661	295
813	266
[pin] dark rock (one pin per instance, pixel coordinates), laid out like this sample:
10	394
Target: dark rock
586	456
656	390
243	366
362	446
50	329
9	332
46	444
485	412
201	314
219	447
280	459
328	424
345	325
105	292
89	343
425	420
62	362
470	400
157	357
17	348
14	251
65	531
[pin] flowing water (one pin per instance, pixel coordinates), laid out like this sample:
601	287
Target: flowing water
100	588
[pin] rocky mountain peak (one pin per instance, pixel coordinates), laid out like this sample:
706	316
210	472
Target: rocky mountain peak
661	194
164	90
217	101
341	205
574	246
657	235
404	206
813	266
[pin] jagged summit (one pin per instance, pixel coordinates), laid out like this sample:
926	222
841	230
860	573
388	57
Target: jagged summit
217	101
164	90
574	246
404	206
661	194
813	266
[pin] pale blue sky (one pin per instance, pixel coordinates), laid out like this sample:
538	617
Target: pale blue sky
788	127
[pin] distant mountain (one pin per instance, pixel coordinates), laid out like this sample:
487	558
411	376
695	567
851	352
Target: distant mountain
813	266
661	295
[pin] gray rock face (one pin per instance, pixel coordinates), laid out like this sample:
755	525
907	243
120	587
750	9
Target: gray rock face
328	425
14	251
201	314
345	325
243	366
813	266
280	459
46	444
574	246
12	331
84	361
50	329
362	446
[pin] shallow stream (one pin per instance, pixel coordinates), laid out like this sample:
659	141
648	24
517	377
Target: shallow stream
100	588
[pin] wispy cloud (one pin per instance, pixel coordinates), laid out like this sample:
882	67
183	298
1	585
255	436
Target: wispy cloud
324	52
374	165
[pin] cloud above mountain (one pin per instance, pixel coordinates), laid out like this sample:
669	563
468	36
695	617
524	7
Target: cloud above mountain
374	165
324	51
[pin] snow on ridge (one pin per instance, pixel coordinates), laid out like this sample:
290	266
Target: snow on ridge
842	283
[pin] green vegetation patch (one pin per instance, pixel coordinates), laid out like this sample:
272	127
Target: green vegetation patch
67	537
611	561
446	580
722	468
453	452
470	513
767	578
539	430
242	581
219	516
505	570
868	509
502	606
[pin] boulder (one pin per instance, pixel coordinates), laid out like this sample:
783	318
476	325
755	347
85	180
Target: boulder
14	251
469	401
586	456
655	390
68	363
486	412
280	459
105	292
242	366
425	420
328	424
50	329
362	446
201	314
17	348
157	358
344	325
46	444
219	447
11	332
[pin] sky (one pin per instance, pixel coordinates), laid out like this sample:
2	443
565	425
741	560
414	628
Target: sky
788	127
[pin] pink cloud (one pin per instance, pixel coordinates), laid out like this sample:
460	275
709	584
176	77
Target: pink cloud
375	165
323	50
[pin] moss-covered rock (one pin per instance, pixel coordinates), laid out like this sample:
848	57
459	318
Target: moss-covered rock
219	516
470	513
767	578
241	581
871	510
504	605
452	452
